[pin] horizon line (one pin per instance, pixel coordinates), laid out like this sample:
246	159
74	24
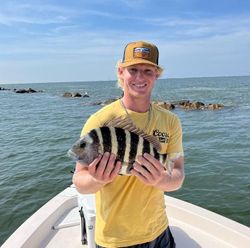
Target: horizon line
111	80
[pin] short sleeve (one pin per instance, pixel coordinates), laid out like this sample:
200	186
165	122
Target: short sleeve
175	141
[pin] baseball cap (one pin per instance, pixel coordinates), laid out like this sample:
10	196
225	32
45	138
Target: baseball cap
140	52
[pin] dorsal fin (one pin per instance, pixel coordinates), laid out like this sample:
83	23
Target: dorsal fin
127	124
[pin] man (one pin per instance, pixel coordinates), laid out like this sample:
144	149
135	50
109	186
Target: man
130	210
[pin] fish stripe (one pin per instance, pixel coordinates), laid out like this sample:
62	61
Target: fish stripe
127	147
160	158
164	156
114	142
134	141
151	149
106	135
94	136
156	154
140	147
99	135
146	147
121	141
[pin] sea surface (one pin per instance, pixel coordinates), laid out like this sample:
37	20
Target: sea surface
36	130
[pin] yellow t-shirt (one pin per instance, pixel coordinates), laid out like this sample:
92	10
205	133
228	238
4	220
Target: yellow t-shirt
128	212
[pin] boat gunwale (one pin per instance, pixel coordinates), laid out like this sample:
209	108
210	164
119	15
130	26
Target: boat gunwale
32	232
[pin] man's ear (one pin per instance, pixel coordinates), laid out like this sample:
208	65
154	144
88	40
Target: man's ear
120	71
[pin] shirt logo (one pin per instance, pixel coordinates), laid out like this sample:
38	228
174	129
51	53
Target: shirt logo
163	137
142	52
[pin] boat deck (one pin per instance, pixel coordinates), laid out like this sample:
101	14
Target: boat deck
57	224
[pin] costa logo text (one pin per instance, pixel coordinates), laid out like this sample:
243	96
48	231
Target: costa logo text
162	136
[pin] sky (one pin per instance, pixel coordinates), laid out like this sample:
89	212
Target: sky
82	40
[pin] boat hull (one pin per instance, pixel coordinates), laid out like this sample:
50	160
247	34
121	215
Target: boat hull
57	224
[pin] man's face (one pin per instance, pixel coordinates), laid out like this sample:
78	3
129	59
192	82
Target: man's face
138	80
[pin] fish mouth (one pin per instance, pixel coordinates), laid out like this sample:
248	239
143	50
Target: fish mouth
72	155
76	158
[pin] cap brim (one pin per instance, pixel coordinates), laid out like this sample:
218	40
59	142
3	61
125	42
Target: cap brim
138	61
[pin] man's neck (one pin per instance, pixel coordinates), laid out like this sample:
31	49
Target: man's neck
140	105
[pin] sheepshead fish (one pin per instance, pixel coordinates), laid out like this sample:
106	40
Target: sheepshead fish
118	136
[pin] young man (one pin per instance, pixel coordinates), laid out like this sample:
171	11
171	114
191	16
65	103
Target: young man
130	210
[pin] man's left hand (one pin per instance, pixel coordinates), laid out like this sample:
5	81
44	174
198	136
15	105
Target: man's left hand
149	170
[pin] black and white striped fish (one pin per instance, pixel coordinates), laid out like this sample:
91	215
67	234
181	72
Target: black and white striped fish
121	138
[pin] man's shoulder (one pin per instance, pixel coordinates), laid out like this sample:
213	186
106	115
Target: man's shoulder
107	112
100	117
164	112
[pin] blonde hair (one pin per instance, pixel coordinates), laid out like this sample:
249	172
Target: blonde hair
159	71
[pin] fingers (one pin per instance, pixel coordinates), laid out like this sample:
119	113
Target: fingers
155	162
150	164
104	168
93	165
116	170
143	170
140	176
110	163
148	169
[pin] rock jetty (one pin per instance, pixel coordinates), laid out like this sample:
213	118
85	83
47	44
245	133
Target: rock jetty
183	104
189	105
21	91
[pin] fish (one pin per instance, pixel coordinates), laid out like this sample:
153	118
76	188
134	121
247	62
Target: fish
120	137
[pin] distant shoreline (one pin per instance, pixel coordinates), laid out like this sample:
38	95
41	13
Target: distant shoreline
114	80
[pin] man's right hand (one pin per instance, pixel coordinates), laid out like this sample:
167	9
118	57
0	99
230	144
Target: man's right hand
104	168
89	179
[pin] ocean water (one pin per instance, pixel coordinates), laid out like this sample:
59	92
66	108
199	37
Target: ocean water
36	130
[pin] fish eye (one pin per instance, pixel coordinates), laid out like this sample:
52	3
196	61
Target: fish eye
83	144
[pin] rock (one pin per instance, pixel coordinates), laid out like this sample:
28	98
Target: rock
197	105
98	103
21	91
67	94
85	94
109	101
215	106
106	102
77	94
192	105
1	88
183	102
29	90
165	105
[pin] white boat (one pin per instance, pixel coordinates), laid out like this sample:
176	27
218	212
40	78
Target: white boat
58	224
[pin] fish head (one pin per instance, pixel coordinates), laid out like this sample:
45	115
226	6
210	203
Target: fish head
85	150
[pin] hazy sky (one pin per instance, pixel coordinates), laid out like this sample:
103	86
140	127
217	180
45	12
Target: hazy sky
80	40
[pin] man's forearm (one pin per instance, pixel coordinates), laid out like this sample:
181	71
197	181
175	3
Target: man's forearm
174	180
85	183
171	182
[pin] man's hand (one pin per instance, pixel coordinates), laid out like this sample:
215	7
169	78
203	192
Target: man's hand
149	170
104	168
